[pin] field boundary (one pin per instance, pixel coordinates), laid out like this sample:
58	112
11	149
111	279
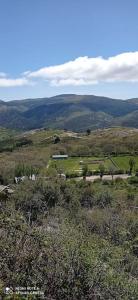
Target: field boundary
113	162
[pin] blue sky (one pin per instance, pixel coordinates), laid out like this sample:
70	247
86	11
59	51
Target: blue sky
57	43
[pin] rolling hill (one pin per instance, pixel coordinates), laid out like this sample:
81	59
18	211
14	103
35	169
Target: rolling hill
74	112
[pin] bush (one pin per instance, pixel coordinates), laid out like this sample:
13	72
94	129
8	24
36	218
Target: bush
72	175
120	171
136	174
133	180
23	142
106	182
89	173
103	199
119	180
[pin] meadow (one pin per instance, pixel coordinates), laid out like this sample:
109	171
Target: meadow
76	164
123	161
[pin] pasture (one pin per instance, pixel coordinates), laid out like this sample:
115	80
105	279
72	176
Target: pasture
123	162
75	164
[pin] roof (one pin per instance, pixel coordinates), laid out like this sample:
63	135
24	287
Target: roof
60	156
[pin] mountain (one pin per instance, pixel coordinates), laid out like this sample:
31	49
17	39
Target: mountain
74	112
129	120
133	100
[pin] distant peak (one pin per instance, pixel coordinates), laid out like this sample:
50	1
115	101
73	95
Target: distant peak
63	95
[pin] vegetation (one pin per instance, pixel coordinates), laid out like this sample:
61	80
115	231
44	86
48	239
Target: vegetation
111	165
124	162
72	112
84	171
70	239
131	165
102	170
88	131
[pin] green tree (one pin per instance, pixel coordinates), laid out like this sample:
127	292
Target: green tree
131	165
102	170
84	171
56	140
1	179
112	171
88	131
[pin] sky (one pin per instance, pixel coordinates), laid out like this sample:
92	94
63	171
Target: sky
50	47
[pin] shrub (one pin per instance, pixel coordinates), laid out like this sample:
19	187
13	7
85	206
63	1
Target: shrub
133	180
103	199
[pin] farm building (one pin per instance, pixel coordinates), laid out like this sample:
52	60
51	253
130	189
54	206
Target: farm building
65	156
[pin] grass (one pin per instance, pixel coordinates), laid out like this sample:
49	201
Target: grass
74	165
123	161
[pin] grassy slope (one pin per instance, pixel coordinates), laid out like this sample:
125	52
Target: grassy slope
6	134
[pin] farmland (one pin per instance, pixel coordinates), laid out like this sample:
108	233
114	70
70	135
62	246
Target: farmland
123	161
113	148
75	164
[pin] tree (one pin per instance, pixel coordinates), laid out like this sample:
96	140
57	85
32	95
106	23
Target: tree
56	140
112	170
1	179
88	131
136	174
84	171
131	165
102	170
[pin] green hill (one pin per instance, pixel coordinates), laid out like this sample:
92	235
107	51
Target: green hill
74	112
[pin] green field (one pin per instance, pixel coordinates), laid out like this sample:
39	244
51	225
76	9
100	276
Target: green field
123	161
75	165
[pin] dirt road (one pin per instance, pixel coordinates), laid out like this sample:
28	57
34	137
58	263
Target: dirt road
105	177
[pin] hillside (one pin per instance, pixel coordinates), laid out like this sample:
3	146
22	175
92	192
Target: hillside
73	112
58	233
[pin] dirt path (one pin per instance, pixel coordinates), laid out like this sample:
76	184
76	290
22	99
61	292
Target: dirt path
105	177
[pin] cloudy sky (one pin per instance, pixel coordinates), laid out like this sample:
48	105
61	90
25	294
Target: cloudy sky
48	47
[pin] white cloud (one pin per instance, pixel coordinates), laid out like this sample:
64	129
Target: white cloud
86	70
8	82
81	71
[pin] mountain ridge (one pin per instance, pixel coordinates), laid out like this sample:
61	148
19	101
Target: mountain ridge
70	111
